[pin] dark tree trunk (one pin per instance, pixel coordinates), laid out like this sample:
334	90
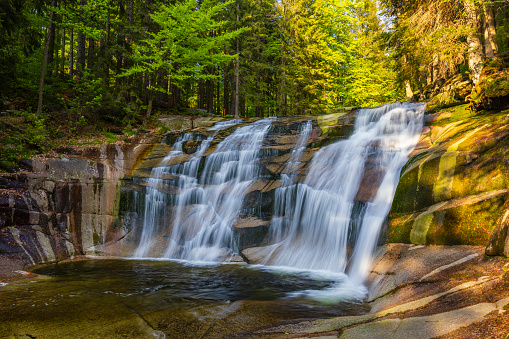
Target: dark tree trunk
218	97
71	54
226	91
80	57
51	37
201	94
62	64
121	15
91	53
45	60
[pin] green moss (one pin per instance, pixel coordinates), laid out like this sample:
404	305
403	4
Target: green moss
470	224
399	229
96	238
458	113
110	137
325	121
420	228
442	190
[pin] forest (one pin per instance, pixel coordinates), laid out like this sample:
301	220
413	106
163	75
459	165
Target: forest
122	62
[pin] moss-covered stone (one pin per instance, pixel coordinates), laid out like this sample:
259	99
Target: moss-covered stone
452	192
492	90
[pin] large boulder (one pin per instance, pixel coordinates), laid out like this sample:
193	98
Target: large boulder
453	91
455	186
492	91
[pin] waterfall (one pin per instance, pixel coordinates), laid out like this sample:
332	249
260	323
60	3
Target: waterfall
319	222
316	220
207	204
155	200
288	177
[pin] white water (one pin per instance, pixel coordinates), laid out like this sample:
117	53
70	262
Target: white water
155	200
317	224
314	220
207	205
293	163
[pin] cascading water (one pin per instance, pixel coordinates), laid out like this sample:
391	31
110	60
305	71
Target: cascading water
288	177
314	220
207	205
211	208
155	200
317	224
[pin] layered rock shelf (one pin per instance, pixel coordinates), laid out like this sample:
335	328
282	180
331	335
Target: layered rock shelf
453	191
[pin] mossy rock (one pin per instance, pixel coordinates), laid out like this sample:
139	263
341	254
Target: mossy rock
445	194
449	93
492	91
463	221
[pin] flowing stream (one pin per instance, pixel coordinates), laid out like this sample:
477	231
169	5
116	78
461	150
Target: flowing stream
318	224
324	226
315	221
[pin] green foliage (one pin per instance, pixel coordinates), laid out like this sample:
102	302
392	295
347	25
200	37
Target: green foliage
21	135
184	46
35	131
110	137
286	57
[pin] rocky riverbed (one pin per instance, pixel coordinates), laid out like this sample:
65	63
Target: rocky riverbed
432	277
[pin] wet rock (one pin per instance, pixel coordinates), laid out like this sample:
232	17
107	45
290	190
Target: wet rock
176	124
250	231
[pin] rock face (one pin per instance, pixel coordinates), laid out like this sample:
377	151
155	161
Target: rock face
451	92
69	205
66	206
453	191
455	185
492	91
252	225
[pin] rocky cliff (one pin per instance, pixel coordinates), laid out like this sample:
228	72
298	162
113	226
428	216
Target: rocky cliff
64	205
454	189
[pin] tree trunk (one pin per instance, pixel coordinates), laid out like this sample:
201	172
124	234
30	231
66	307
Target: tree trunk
210	93
62	64
408	90
91	52
475	50
71	54
104	53
218	96
436	68
237	78
51	35
201	94
80	57
57	42
226	90
45	60
491	47
120	42
149	105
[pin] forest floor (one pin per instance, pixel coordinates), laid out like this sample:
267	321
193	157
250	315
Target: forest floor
24	135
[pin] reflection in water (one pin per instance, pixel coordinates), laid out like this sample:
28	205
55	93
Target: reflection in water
93	297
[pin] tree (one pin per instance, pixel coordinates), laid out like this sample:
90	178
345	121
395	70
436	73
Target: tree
475	50
51	36
182	46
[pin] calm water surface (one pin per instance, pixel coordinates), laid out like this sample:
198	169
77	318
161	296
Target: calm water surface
143	298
